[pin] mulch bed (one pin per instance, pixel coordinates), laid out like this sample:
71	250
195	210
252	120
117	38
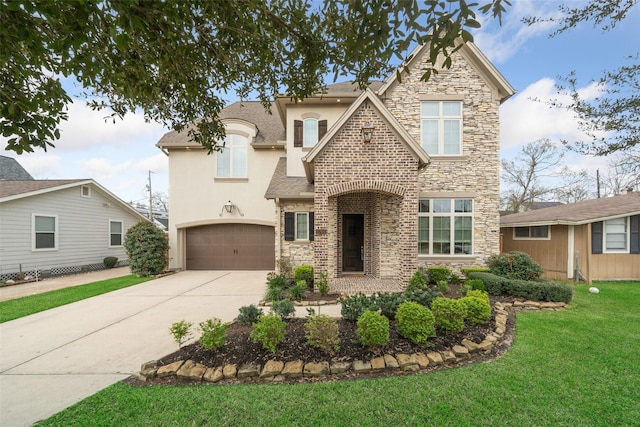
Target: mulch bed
239	349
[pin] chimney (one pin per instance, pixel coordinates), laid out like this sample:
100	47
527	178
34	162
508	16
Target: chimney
624	191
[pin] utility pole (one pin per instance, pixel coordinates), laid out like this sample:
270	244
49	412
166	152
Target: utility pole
150	199
598	180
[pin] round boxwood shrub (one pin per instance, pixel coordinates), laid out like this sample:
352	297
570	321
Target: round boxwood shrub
515	265
449	313
415	322
373	328
249	314
269	331
146	247
478	307
110	261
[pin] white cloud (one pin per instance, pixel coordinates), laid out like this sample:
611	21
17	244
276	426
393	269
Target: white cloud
527	117
500	42
41	166
102	169
158	163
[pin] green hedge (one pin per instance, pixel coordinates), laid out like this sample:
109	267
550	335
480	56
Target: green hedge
538	291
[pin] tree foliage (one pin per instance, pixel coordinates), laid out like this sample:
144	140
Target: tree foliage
611	120
176	61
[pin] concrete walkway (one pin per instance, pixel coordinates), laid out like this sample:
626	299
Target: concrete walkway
53	359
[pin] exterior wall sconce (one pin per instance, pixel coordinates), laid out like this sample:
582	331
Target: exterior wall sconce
229	207
367	132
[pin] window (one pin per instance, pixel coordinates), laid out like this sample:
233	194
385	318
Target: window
615	235
442	127
307	132
535	232
115	233
45	232
445	227
85	191
232	160
298	226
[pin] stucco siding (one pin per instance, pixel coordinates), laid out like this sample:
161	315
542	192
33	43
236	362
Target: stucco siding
82	230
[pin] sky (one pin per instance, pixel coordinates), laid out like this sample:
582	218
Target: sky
120	155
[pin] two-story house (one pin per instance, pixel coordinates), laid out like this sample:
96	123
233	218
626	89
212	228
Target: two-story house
371	183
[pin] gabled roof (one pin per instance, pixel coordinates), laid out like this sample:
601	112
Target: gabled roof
15	190
269	127
384	114
11	170
476	58
288	187
577	213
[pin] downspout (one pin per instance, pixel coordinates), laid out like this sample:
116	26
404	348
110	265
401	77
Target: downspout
278	229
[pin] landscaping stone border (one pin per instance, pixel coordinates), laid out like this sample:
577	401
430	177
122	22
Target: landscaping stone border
275	371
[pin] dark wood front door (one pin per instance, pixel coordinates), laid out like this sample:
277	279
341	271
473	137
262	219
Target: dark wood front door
353	243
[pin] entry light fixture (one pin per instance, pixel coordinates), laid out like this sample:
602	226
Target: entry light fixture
367	132
229	207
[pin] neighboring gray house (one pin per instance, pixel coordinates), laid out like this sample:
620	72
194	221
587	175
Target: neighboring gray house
56	227
11	170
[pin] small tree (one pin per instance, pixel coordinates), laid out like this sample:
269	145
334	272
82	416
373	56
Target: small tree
146	248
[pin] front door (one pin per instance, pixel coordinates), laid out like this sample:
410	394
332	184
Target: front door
353	243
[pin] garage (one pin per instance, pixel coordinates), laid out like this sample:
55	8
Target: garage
230	247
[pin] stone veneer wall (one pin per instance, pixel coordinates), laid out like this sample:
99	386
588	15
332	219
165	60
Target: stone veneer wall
298	252
348	165
476	172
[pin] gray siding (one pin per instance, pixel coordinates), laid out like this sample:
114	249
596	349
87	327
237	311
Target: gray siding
83	230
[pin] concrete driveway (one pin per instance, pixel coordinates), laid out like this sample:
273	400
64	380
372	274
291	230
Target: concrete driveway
53	359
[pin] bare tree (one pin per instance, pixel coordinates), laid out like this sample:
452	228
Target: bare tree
623	172
160	201
537	174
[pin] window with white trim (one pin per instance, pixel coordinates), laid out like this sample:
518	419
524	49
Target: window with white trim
532	232
85	191
115	233
441	127
310	132
232	159
616	236
445	227
45	234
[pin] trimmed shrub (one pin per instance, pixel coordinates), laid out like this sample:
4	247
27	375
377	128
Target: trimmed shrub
449	314
534	290
418	279
283	308
285	268
322	332
388	303
372	329
423	295
443	286
298	291
415	322
471	285
477	293
455	279
181	331
468	270
478	307
437	274
323	283
303	272
146	247
249	314
269	331
214	334
110	261
354	305
515	265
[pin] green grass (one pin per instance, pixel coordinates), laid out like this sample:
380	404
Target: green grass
20	307
569	368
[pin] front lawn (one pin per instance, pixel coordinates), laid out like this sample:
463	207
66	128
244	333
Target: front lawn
20	307
575	367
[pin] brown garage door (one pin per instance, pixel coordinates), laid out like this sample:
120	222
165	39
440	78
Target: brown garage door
231	247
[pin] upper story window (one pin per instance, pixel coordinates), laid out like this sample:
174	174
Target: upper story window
307	132
445	227
442	127
45	234
232	159
115	233
534	232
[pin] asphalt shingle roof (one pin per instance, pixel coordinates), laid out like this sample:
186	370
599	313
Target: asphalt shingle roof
287	187
11	170
578	213
11	188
